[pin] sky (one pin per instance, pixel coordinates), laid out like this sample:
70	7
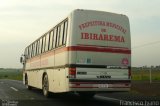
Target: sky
23	21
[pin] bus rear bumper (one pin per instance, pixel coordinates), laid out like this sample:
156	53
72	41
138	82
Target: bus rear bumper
94	86
101	89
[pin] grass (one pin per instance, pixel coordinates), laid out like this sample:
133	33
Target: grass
15	74
144	75
137	75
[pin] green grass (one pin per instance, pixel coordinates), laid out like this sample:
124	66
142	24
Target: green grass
144	75
137	75
15	74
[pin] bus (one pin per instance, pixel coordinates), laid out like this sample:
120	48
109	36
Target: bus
87	52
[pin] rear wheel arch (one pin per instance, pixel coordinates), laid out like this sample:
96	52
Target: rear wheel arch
43	77
26	77
26	82
45	85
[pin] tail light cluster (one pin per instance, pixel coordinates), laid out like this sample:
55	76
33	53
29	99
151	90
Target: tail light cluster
129	73
72	72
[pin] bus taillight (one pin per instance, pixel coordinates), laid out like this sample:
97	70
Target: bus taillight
129	73
72	72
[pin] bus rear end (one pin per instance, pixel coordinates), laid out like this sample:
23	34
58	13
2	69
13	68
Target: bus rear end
99	52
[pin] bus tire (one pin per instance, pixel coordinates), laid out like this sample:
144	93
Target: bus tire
26	83
45	86
87	94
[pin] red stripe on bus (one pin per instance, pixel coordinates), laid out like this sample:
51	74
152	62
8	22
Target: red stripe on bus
99	49
86	83
103	46
118	87
83	48
82	87
96	83
96	87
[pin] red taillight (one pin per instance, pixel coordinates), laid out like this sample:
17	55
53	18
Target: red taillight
129	73
72	72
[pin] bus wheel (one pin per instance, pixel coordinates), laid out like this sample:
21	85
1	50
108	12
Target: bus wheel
45	86
87	94
26	83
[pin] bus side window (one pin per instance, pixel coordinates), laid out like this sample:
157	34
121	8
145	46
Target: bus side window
50	40
65	32
47	42
40	46
55	38
61	34
43	44
32	50
37	48
30	55
28	52
58	36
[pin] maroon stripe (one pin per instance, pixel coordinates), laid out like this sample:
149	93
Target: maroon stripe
99	49
96	87
82	87
103	46
85	83
97	83
83	48
118	87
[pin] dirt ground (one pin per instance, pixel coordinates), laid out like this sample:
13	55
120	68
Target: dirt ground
146	88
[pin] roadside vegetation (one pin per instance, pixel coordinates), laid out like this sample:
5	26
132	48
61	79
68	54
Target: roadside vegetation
140	80
138	74
141	83
15	74
144	75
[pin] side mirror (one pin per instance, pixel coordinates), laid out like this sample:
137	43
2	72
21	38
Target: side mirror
21	59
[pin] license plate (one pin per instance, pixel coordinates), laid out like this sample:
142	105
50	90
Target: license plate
102	85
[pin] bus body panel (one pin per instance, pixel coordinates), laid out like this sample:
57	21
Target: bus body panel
114	74
82	19
101	58
96	22
57	78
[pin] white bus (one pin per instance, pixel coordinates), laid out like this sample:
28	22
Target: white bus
88	52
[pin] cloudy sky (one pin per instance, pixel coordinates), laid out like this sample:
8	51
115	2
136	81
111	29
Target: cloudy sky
23	21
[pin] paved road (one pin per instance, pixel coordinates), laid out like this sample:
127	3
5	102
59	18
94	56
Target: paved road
14	92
